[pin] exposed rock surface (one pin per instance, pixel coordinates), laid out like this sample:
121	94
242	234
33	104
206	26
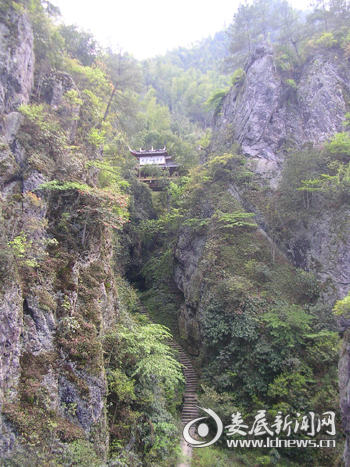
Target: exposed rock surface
323	247
11	324
265	112
51	361
263	115
16	60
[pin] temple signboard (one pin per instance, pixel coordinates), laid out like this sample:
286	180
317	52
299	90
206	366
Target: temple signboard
158	160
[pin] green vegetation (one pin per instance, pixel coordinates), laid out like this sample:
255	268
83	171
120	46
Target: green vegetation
330	175
144	381
218	458
292	34
260	334
342	307
238	77
216	101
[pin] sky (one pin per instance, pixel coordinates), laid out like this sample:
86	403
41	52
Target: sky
146	28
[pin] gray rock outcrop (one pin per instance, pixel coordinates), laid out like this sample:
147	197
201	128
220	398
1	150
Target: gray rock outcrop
267	111
51	361
16	61
266	115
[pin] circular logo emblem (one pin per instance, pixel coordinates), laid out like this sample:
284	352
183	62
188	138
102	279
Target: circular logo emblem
203	430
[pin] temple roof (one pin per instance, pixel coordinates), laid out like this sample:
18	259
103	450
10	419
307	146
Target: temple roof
150	152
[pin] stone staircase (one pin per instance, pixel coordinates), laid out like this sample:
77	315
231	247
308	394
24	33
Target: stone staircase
189	410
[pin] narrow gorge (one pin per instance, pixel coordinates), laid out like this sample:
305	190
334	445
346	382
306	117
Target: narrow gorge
122	309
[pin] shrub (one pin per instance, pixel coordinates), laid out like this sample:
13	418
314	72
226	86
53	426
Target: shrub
238	77
326	40
339	146
291	83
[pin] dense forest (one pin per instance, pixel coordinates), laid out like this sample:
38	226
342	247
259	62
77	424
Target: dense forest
242	258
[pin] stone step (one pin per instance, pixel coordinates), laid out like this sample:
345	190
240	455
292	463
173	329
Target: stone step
189	410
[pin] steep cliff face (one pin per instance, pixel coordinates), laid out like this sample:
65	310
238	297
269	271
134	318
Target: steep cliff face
241	278
272	116
269	118
269	112
17	63
58	294
188	278
16	60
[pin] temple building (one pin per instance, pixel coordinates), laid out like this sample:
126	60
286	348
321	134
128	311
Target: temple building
158	157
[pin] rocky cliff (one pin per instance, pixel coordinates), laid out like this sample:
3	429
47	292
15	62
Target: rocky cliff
272	114
270	111
271	117
58	294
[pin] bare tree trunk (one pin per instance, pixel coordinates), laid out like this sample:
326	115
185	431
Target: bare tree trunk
107	109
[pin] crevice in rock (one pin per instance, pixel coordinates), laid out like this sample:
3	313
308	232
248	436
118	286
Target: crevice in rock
27	310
